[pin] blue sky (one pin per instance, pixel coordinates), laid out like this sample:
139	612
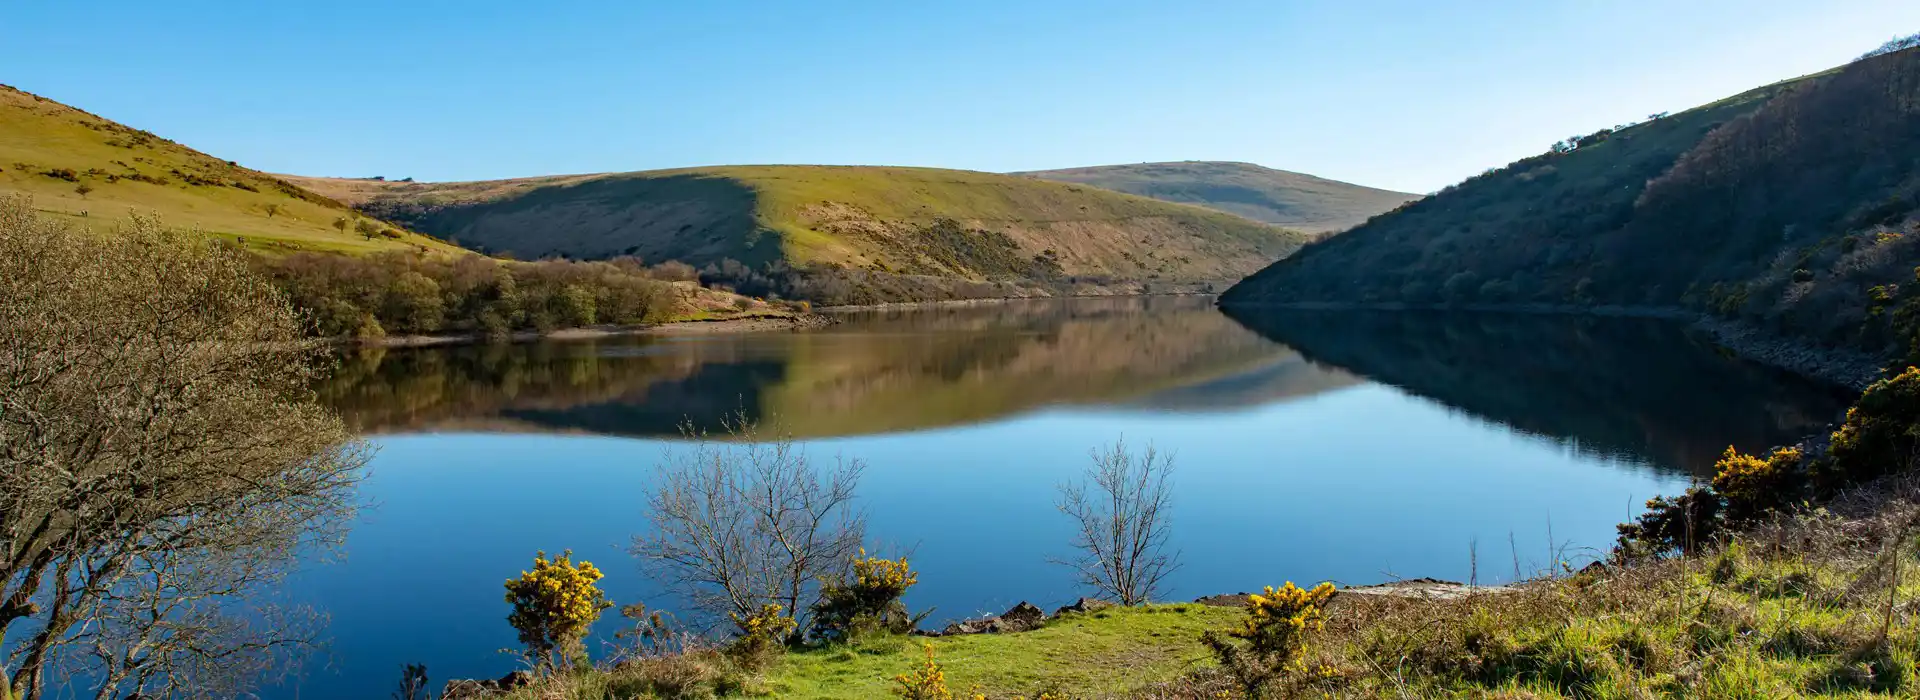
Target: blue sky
1405	95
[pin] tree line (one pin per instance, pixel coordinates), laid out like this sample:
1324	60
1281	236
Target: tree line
406	294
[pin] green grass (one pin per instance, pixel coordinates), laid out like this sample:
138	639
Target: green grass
184	187
1804	607
874	218
1102	652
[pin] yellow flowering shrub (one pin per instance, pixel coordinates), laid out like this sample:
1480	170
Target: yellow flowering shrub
1881	434
867	599
554	605
929	682
761	632
1754	486
1275	636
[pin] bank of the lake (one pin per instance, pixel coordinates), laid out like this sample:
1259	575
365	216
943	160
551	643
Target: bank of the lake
762	323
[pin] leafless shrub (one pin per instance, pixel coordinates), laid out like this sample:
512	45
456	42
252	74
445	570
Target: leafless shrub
161	461
744	523
1122	521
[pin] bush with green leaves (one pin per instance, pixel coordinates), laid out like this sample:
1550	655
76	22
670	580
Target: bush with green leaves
867	599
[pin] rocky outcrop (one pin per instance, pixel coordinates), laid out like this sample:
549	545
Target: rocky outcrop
1019	618
1083	605
472	689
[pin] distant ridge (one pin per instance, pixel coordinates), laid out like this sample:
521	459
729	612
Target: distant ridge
1294	200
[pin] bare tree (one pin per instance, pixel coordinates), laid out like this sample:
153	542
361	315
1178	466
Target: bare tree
743	523
1122	519
161	461
272	210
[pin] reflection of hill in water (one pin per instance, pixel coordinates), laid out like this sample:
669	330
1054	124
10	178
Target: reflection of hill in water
1625	387
877	372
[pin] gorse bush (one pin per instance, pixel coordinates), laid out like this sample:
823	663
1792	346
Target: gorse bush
868	600
1753	486
929	682
1274	634
553	607
762	634
1679	523
1880	436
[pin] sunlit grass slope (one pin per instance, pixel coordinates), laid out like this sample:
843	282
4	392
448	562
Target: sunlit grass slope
96	171
945	223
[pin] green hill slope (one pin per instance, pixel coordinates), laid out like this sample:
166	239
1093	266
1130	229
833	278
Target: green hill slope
1294	200
1791	205
872	221
77	164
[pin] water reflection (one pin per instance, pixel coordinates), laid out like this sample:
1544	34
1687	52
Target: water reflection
877	372
1621	388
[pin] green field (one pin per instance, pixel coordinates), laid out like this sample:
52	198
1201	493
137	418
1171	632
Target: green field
1081	655
50	151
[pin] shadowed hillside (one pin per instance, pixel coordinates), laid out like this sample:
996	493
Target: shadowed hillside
1294	200
77	164
857	222
1791	205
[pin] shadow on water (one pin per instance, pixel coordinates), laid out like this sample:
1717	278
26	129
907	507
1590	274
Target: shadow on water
1613	387
876	372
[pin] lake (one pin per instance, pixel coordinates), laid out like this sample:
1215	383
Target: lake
1356	447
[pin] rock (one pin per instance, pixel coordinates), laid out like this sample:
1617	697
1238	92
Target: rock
470	689
1083	605
1019	618
1224	600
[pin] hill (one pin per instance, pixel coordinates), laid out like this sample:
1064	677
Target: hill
82	166
1791	206
841	234
1294	200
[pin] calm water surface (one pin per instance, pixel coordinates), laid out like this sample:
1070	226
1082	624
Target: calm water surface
1348	447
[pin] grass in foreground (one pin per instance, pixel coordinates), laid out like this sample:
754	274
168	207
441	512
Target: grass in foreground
1815	606
1100	653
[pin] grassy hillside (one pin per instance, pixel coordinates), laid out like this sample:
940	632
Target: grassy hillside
892	221
1791	205
79	165
1294	200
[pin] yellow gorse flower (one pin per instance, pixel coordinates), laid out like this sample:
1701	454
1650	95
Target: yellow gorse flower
883	574
770	623
555	603
927	683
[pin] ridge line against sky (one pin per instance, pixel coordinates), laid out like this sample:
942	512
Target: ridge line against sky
1398	95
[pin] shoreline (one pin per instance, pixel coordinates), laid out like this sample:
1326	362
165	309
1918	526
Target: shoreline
985	301
743	324
1842	367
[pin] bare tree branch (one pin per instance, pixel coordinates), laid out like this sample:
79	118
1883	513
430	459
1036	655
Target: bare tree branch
746	522
1122	516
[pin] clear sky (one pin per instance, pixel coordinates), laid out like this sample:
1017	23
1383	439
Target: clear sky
1405	95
